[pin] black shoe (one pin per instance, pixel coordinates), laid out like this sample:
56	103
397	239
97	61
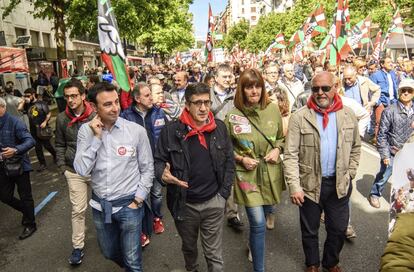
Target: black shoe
41	168
27	232
235	223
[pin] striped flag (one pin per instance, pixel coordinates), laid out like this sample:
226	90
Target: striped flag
278	43
396	28
209	41
111	45
314	25
336	42
377	46
360	34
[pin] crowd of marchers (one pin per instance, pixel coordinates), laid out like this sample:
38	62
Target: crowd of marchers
216	137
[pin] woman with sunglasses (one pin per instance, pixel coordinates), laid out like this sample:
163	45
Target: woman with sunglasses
255	127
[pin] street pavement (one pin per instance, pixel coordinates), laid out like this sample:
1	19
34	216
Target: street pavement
49	248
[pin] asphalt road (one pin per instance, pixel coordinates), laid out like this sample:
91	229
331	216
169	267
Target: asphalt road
49	248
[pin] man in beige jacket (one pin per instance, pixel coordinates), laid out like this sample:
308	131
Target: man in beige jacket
367	92
321	157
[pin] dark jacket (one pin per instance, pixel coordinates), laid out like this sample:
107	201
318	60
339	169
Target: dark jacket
13	133
155	120
395	129
66	138
380	78
172	148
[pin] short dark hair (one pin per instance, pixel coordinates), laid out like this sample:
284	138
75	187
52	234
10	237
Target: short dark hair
382	60
137	89
372	62
30	91
73	82
9	82
195	89
100	88
94	79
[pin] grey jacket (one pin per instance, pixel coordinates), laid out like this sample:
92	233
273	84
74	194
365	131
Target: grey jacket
66	138
396	127
218	110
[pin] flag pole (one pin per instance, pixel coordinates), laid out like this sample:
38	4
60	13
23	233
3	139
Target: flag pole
368	48
405	43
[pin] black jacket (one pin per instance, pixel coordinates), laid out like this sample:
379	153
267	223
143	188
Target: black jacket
66	139
395	129
172	148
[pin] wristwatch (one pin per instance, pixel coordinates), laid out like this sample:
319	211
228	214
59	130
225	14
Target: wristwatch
137	203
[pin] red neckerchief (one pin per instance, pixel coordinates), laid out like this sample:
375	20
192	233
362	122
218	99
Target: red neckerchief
336	105
73	119
186	119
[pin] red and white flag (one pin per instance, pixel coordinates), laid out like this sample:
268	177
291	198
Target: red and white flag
377	46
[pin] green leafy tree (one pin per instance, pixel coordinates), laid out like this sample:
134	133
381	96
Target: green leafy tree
80	17
260	37
237	35
175	34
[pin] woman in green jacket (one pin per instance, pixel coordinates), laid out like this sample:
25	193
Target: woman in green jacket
255	127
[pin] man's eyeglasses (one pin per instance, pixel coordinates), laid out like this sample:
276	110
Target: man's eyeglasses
72	96
406	90
324	89
199	103
272	73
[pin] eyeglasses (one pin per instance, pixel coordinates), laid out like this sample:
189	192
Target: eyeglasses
406	90
199	103
324	89
72	96
27	95
272	73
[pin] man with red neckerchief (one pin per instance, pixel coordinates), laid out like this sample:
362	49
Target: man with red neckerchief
77	112
321	158
194	158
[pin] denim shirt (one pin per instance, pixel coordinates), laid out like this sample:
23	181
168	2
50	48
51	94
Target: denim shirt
354	92
14	133
329	142
120	164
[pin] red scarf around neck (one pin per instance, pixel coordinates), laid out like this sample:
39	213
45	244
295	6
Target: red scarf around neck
186	119
73	119
335	106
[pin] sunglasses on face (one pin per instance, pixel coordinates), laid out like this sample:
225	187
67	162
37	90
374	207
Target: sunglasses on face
410	91
324	89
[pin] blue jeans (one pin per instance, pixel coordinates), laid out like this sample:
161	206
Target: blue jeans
381	179
257	222
156	199
120	240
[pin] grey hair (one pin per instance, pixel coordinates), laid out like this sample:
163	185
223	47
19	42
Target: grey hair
3	102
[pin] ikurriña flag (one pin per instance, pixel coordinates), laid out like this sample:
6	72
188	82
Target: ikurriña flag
112	51
360	33
395	29
210	31
278	43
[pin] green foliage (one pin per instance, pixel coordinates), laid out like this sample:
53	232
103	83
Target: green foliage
237	35
175	34
261	36
164	23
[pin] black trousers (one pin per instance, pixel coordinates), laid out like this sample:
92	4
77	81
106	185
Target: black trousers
39	147
25	204
336	221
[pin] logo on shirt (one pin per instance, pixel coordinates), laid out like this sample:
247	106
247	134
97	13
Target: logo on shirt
122	151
